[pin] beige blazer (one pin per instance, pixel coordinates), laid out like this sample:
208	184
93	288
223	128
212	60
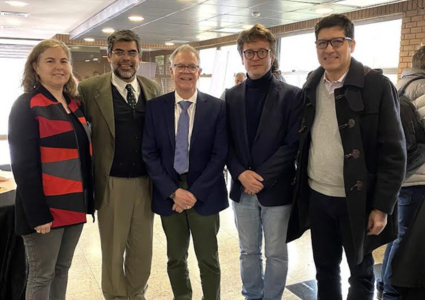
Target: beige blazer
96	96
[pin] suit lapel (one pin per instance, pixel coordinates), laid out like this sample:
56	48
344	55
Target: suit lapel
240	114
201	113
105	102
269	104
169	108
146	88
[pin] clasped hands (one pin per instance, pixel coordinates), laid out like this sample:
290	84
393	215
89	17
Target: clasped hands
183	200
251	181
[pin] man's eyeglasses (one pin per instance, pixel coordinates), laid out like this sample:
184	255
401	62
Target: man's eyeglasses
190	68
262	53
335	42
120	53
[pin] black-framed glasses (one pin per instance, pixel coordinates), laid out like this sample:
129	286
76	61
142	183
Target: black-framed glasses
262	53
190	68
335	42
120	53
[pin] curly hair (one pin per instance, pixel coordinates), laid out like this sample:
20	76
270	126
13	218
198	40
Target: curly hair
418	59
257	32
31	80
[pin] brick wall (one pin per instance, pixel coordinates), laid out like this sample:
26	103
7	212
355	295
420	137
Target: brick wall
412	32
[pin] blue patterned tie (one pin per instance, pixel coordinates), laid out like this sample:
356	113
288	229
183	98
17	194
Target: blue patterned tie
131	99
181	155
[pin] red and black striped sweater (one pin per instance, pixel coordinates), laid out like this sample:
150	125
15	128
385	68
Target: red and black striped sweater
46	163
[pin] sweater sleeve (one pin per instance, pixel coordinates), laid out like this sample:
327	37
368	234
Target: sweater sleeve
26	163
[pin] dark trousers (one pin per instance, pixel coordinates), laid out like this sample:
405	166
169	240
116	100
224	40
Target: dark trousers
178	228
330	232
409	202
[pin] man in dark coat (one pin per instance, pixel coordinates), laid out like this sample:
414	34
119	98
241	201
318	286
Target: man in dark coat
351	163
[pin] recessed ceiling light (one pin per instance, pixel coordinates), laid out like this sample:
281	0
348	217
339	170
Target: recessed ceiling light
87	60
169	44
14	22
16	3
95	59
256	14
14	14
108	30
324	10
10	27
227	29
89	39
136	18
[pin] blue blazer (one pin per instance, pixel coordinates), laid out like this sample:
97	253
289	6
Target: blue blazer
207	154
275	145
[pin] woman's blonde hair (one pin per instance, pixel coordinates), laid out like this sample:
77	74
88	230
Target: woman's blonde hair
30	79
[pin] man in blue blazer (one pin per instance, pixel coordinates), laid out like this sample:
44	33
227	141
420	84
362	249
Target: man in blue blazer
185	149
263	116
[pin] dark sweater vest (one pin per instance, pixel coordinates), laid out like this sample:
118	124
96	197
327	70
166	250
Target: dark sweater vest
129	124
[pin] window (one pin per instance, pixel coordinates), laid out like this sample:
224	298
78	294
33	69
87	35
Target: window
208	62
10	77
386	34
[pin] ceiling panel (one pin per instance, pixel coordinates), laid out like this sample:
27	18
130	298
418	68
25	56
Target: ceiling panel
314	1
336	9
238	3
281	6
180	20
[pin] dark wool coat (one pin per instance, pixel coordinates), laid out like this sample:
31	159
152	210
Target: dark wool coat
367	112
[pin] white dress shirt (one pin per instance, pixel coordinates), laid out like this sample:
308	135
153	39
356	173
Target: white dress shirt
121	84
190	111
331	86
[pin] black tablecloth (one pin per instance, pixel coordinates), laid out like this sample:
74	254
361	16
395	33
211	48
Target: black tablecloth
12	252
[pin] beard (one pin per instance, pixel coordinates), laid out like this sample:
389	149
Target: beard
125	75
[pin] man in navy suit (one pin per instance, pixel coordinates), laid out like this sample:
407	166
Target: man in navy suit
185	149
263	116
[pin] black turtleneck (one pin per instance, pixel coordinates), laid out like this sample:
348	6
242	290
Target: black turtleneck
255	95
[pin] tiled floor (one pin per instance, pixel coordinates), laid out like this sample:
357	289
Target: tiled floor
84	278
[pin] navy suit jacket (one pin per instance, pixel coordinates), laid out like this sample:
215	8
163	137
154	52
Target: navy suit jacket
207	154
275	145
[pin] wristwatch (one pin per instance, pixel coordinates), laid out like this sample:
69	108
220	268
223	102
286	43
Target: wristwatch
173	195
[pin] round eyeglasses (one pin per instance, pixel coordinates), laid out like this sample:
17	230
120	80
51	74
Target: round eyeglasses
262	53
190	68
335	42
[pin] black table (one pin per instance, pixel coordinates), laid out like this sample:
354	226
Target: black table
13	274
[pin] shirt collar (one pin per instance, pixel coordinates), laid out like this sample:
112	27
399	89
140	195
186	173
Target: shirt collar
121	84
191	99
340	80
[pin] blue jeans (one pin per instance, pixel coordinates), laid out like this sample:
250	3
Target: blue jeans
409	201
49	259
252	220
